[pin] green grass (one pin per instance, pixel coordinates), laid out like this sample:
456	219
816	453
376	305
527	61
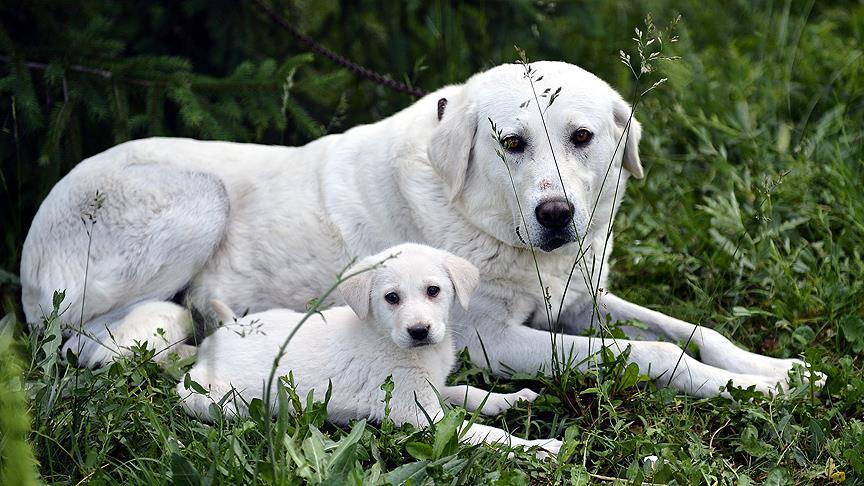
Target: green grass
750	220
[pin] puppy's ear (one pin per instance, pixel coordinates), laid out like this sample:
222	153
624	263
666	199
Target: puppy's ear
450	146
357	290
222	311
465	278
625	121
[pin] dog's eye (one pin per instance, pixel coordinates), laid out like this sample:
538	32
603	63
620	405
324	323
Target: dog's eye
432	291
581	137
392	298
513	143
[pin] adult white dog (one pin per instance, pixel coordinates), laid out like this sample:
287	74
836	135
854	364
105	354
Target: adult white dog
260	227
397	325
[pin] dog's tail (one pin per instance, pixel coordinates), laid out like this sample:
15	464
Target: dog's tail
222	311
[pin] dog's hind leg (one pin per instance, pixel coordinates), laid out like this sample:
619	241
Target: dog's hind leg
152	227
163	326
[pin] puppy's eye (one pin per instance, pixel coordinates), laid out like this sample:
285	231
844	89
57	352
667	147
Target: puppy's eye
432	291
513	143
392	298
581	137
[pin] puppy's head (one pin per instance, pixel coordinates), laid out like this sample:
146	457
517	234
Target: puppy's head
409	295
569	143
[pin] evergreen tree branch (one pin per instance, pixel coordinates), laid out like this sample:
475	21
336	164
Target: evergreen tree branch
103	73
196	81
343	61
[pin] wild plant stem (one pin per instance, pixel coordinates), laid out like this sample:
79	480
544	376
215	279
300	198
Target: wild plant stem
76	415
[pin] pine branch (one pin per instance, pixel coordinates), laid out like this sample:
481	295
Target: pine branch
340	60
196	81
103	73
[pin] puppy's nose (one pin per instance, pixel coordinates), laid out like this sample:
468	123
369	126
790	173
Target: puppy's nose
554	213
419	332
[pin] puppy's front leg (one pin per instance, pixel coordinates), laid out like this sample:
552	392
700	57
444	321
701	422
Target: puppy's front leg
477	433
473	398
414	408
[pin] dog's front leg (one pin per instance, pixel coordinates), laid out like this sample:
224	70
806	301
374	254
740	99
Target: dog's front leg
473	398
714	349
516	348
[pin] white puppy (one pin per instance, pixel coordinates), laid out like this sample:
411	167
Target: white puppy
399	326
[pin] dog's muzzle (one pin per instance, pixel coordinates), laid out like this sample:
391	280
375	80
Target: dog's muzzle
554	241
555	216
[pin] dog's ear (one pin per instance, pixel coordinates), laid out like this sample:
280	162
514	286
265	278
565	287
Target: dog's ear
450	146
626	121
356	290
465	278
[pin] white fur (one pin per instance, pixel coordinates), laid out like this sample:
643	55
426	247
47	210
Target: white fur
260	227
356	355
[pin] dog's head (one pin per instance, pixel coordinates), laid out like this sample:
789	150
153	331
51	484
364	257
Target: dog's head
562	168
409	295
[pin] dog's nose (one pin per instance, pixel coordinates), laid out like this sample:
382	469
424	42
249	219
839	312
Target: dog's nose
554	213
419	332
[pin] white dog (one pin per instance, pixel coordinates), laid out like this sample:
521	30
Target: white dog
242	223
399	326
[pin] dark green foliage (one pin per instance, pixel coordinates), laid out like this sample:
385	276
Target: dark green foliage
749	220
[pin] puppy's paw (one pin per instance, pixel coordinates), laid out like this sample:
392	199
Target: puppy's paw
762	384
498	403
800	370
525	394
770	386
547	448
792	373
